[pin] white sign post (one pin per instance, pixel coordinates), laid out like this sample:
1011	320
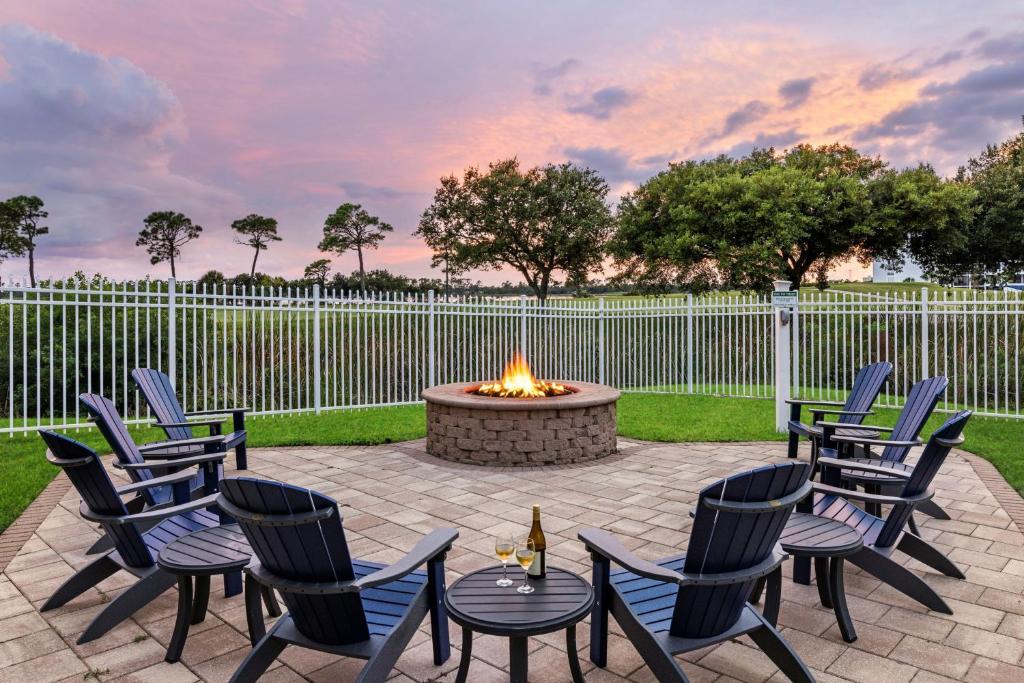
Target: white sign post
783	301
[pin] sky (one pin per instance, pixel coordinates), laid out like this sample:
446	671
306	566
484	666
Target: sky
112	109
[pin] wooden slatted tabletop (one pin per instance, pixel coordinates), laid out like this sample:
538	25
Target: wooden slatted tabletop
208	552
812	536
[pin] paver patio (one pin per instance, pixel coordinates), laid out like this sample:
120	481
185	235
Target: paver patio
396	493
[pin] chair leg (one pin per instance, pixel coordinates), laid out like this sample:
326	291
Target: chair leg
599	613
912	525
241	457
794	444
439	635
131	600
259	659
773	599
81	581
923	551
932	509
899	577
779	651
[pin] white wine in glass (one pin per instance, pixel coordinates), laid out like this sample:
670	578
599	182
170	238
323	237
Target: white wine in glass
504	548
525	555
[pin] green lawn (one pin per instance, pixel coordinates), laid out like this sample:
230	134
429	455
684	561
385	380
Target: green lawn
653	417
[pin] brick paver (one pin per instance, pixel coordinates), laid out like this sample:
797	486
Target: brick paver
394	494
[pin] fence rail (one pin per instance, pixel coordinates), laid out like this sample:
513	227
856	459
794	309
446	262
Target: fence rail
286	350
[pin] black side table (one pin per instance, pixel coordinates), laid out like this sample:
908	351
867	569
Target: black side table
202	554
559	601
828	543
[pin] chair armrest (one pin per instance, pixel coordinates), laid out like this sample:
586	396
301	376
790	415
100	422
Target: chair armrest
198	441
177	463
606	545
435	543
860	413
190	423
851	494
220	411
808	402
165	480
762	568
862	467
864	441
862	427
148	515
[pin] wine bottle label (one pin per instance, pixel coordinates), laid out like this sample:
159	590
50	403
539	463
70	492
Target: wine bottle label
538	568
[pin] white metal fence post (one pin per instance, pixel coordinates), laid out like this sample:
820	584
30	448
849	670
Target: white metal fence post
783	356
316	348
172	332
431	372
689	342
522	324
600	342
925	322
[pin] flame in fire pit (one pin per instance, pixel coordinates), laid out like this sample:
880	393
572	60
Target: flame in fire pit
518	382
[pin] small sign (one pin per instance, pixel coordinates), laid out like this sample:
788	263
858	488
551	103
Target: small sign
784	299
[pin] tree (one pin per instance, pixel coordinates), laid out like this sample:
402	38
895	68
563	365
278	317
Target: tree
441	227
257	232
317	271
164	234
351	227
212	279
22	215
746	222
11	243
538	222
990	242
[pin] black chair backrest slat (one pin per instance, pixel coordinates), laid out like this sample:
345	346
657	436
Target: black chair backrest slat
160	397
114	430
313	552
98	493
722	541
920	403
866	386
924	472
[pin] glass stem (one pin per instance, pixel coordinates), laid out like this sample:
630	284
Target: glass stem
504	570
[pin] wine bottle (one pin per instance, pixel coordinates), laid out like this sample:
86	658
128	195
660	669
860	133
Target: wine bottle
539	567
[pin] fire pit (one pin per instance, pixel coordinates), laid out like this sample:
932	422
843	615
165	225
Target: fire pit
520	420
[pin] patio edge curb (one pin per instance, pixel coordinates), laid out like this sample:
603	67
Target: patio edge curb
1006	495
17	534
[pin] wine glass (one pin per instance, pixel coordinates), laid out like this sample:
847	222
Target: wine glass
504	548
525	553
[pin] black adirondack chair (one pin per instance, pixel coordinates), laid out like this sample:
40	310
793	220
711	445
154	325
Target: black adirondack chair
335	604
884	536
690	601
160	397
866	387
903	436
135	550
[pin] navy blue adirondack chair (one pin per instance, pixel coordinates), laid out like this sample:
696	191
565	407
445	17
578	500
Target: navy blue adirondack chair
690	601
135	549
160	397
903	436
866	386
884	536
335	604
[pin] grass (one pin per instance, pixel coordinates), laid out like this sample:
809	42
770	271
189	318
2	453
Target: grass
651	417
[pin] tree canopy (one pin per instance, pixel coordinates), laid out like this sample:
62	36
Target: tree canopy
538	221
745	222
257	232
317	271
21	215
351	227
164	234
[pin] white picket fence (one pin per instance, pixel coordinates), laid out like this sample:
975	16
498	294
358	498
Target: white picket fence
285	351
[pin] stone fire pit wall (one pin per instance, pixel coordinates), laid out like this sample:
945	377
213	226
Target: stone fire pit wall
556	430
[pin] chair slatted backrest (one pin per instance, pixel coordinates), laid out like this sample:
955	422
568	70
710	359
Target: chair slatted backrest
934	454
920	403
160	397
113	429
727	541
866	386
86	472
312	551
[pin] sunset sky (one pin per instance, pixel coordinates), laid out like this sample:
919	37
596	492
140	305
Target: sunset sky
112	109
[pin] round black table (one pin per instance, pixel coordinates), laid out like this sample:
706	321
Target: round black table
827	542
559	601
202	554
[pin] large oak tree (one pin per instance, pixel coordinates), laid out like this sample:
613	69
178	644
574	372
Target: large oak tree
541	221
